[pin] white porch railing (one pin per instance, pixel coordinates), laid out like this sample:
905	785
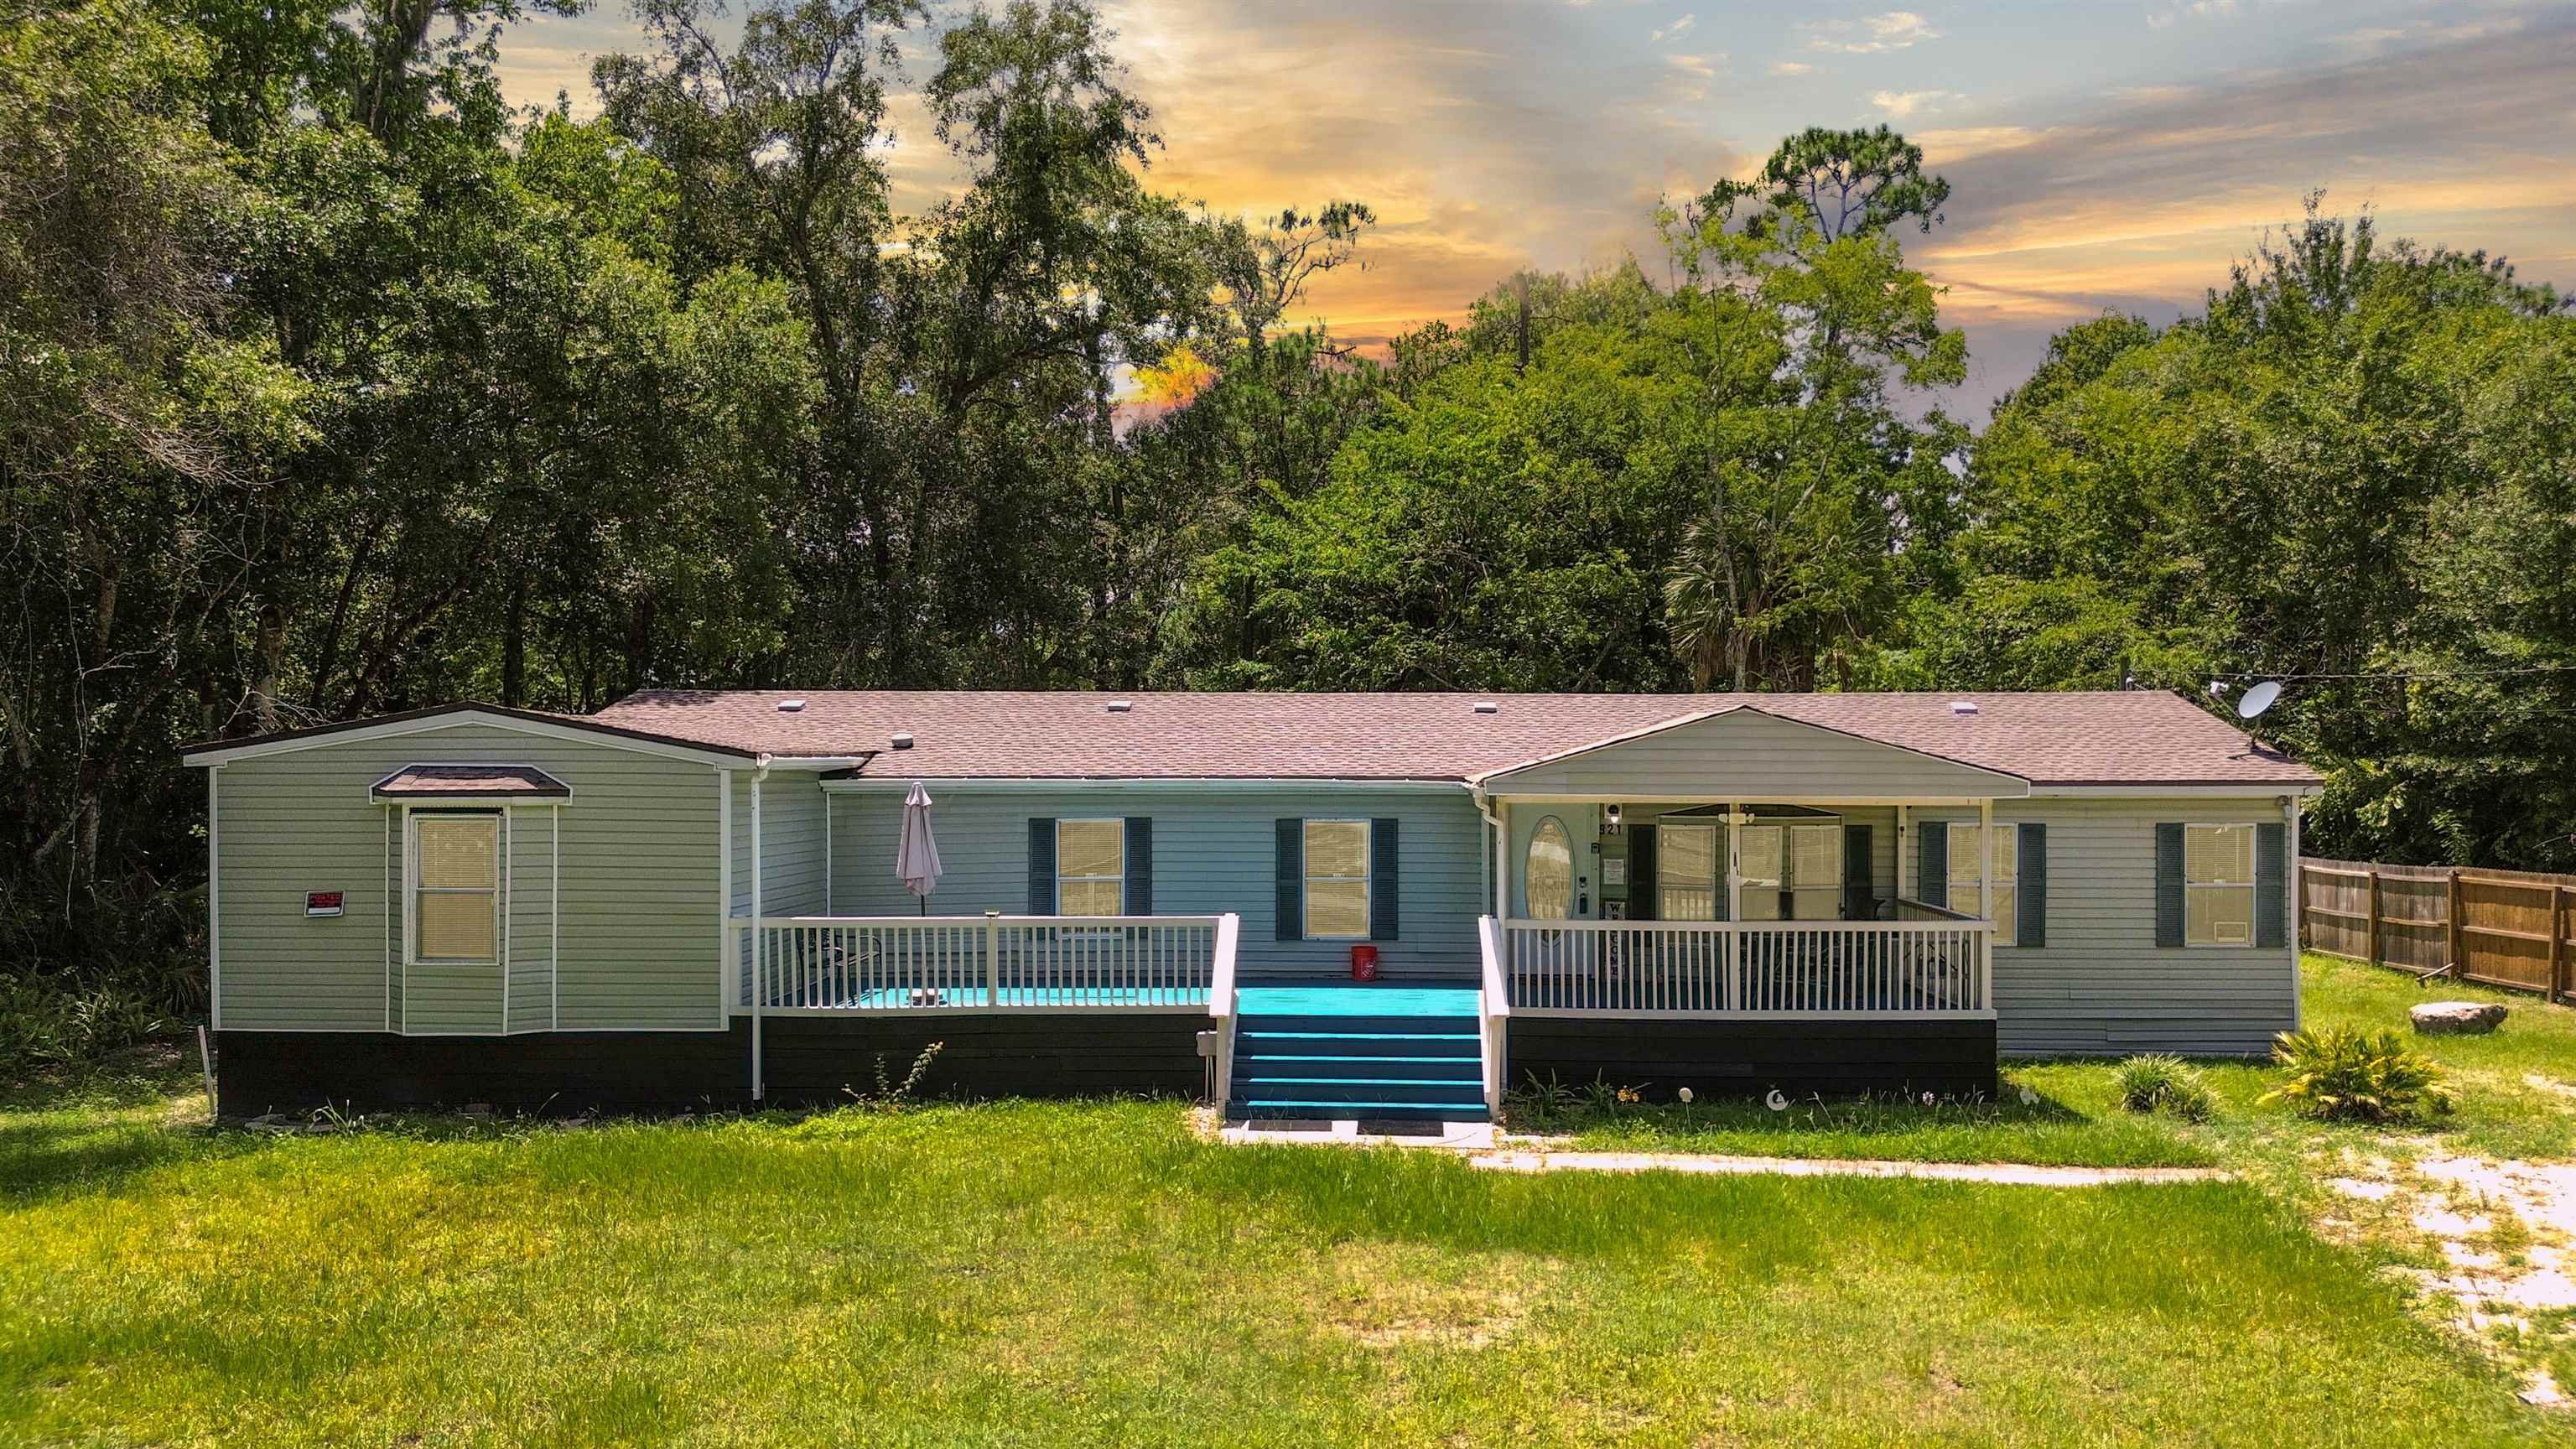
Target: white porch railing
1919	969
1494	1002
990	963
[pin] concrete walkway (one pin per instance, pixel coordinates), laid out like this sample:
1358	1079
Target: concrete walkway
1482	1147
1711	1164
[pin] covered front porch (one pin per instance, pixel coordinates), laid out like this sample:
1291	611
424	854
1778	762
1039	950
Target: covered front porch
1741	899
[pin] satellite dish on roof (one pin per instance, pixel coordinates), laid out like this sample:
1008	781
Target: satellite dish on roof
2258	699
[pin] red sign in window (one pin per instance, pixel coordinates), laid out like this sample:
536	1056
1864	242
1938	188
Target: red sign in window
322	903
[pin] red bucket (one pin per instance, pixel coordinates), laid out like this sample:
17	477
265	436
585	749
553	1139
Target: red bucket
1363	963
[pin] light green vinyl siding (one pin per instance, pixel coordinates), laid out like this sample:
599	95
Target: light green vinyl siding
1746	755
792	854
2102	984
532	907
1212	854
639	874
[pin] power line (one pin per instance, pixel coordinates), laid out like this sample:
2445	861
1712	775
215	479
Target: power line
2412	675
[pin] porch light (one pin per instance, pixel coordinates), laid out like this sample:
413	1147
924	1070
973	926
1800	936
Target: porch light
1610	819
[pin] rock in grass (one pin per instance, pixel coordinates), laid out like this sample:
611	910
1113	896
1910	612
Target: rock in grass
2457	1018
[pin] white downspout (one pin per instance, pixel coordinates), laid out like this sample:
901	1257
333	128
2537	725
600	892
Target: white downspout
214	901
1501	853
759	975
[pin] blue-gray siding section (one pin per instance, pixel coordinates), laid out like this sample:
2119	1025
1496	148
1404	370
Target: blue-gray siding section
1213	853
2102	985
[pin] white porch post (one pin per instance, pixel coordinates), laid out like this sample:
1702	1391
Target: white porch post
1734	862
1985	857
1985	903
1904	820
1734	934
759	976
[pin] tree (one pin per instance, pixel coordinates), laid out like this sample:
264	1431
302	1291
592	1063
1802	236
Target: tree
1818	504
1835	184
2348	470
775	145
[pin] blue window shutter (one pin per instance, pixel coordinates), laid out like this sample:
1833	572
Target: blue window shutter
1290	864
1932	863
2271	883
1383	891
2030	902
1042	866
2169	883
1140	866
1643	894
1860	891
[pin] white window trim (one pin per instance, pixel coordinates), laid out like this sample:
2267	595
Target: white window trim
1789	881
1119	824
2007	923
1716	866
1307	876
1529	855
412	891
2252	886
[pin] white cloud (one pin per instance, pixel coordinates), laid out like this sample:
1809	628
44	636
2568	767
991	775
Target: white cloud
1677	29
1902	104
1790	67
1895	30
2197	10
1703	66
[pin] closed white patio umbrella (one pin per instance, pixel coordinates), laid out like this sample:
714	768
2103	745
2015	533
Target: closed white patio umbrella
916	855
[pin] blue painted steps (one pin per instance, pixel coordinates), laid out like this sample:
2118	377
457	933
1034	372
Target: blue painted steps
1375	1051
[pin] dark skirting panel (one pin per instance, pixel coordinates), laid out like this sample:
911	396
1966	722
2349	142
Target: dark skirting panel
1749	1058
807	1060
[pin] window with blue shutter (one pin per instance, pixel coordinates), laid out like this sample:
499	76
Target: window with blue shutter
1042	866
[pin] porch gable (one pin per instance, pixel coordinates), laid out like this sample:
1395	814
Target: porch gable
1745	753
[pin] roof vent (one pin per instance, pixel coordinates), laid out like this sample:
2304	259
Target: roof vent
1487	706
791	706
1121	706
1963	706
903	740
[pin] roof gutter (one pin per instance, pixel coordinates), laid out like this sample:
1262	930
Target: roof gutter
1139	782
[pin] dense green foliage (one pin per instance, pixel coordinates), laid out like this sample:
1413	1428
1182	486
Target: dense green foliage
329	385
2356	469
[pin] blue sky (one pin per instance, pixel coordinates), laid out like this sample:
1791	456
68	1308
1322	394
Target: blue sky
2101	155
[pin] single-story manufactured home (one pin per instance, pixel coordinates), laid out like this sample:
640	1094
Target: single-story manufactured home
692	897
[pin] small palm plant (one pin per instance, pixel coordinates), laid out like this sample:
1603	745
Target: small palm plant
2343	1073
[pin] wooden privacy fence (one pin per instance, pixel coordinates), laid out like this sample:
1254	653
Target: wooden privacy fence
2496	927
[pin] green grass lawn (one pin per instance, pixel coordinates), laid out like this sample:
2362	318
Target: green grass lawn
1096	1274
2075	1117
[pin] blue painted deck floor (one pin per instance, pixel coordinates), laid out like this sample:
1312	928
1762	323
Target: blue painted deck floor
1355	999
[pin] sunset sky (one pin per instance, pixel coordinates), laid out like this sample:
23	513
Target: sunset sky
2115	155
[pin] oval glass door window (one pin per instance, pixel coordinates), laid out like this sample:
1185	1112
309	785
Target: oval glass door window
1549	877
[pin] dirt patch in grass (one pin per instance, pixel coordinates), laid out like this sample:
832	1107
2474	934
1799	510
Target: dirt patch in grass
1390	1296
2493	1242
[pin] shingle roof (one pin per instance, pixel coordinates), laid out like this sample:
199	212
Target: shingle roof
2131	737
417	781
